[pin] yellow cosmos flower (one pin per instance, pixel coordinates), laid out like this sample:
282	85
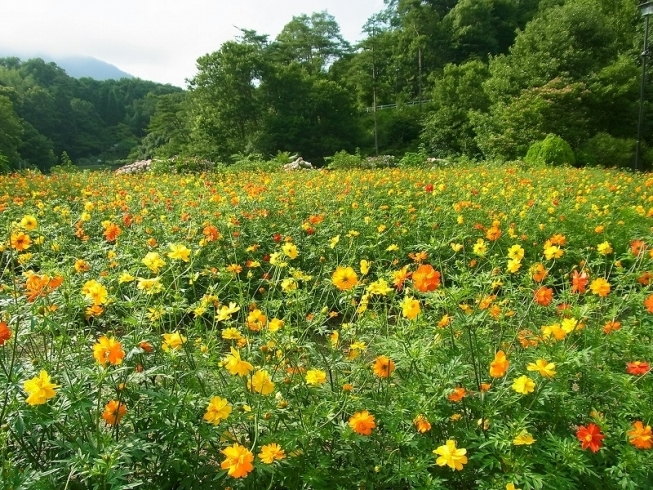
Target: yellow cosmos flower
275	324
95	292
480	247
153	261
516	252
344	278
125	277
604	248
523	385
226	311
410	308
261	382
290	250
173	341
29	222
379	287
523	439
40	389
365	267
545	368
218	409
271	453
179	252
150	286
449	455
235	365
315	377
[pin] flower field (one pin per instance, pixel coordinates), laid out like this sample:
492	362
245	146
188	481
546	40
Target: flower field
477	327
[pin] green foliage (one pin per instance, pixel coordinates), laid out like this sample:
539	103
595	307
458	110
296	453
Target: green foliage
415	159
65	166
343	160
4	164
510	127
182	165
608	151
56	113
457	92
553	150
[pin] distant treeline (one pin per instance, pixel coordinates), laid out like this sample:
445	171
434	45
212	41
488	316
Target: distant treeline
487	79
44	112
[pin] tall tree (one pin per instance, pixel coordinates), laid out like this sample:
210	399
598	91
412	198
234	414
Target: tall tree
314	42
225	110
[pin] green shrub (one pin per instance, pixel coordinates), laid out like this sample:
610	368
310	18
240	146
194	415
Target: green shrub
553	150
342	160
66	166
608	151
182	165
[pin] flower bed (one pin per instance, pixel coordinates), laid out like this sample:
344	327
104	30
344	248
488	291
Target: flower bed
476	327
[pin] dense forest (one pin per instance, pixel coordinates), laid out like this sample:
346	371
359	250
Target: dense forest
452	78
44	113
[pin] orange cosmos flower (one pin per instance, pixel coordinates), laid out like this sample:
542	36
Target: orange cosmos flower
238	461
638	368
422	424
543	296
271	453
539	272
648	302
40	286
112	232
211	233
499	366
256	320
400	276
362	423
5	333
344	278
426	278
108	350
579	281
637	247
458	394
611	326
383	366
20	241
645	278
590	437
641	437
113	412
600	287
493	233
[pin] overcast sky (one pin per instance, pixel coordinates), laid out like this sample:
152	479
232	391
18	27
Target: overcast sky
156	40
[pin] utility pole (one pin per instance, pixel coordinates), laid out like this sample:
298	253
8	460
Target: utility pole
376	130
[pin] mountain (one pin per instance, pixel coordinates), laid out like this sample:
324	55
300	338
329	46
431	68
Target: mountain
86	66
75	66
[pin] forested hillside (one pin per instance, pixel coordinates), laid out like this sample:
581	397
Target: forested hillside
44	112
454	78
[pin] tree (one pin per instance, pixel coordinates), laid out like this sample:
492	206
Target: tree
457	92
314	42
225	110
306	113
10	132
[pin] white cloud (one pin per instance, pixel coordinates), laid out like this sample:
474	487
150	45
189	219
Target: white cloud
157	40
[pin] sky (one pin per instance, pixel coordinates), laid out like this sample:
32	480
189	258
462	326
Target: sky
157	40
